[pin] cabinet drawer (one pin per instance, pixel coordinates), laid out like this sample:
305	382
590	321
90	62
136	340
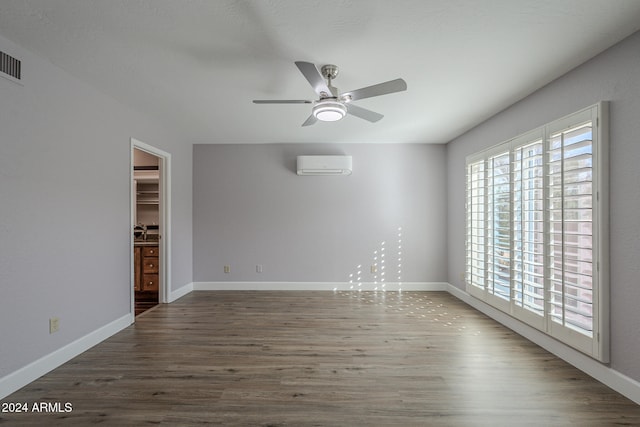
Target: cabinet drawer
149	251
149	282
150	265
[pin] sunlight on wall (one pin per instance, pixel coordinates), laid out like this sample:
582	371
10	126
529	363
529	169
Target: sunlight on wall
382	261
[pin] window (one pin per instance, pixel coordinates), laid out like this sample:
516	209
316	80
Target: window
536	241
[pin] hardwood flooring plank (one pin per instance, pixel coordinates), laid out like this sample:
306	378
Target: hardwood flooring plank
320	359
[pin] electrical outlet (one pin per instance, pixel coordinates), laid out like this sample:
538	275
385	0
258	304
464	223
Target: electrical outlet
462	276
374	269
227	269
54	325
259	268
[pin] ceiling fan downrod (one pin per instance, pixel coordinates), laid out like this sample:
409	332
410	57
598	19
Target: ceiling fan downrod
330	72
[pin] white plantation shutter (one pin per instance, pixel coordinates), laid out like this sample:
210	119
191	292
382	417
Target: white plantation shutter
570	169
528	229
498	226
476	249
537	229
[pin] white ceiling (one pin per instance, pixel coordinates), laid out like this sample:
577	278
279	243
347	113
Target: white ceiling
198	64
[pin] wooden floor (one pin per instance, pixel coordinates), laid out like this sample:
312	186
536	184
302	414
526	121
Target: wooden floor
320	359
144	300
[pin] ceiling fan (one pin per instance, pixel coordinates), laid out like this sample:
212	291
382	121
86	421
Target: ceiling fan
333	105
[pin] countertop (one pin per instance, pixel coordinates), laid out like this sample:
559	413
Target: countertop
140	242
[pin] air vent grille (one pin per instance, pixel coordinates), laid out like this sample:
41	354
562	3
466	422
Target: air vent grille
10	66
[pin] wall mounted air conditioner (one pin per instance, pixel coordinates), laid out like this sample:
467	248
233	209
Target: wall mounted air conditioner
324	165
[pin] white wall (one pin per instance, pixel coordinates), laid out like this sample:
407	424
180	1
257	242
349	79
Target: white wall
611	76
251	208
65	208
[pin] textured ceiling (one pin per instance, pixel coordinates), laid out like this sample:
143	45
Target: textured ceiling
197	65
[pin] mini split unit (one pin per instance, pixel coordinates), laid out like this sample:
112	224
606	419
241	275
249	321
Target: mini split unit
324	165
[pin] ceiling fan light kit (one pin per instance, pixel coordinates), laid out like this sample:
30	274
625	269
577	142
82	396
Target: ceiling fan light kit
333	105
329	110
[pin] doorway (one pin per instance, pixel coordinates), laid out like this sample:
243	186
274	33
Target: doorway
150	182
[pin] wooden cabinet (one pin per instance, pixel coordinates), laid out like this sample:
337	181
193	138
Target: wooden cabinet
149	268
146	268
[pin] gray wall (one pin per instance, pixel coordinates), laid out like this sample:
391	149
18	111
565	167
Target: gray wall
251	208
612	76
65	208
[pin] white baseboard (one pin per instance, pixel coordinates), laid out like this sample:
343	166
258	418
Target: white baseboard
34	370
319	286
179	293
603	373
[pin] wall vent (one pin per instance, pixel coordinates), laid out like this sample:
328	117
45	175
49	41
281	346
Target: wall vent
10	66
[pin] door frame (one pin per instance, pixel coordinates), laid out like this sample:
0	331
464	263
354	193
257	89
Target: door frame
164	226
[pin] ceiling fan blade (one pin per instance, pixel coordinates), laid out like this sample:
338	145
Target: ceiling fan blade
391	86
282	101
311	120
363	113
313	76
